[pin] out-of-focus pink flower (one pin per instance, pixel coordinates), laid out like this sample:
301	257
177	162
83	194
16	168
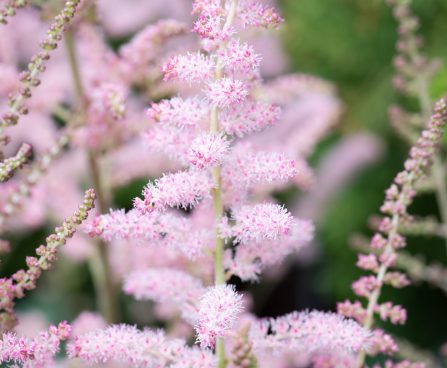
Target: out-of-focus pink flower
309	332
167	286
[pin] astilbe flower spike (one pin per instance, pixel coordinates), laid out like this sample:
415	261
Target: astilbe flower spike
218	309
388	241
36	66
167	286
9	165
10	9
143	349
25	185
309	333
33	352
24	280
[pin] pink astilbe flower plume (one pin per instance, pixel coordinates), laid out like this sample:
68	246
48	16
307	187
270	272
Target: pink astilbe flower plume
33	352
182	189
140	349
208	150
226	92
219	309
168	286
192	68
309	332
265	221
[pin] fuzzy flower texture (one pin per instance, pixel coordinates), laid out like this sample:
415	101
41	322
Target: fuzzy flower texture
224	232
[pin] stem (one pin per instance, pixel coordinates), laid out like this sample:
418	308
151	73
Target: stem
98	262
374	297
219	274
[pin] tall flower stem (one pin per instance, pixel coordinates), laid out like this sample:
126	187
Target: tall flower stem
98	262
219	274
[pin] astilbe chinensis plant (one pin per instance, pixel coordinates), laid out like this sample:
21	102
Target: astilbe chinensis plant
210	216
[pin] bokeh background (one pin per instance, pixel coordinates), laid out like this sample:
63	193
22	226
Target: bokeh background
351	44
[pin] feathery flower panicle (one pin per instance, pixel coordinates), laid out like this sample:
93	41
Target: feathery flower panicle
249	168
388	240
167	286
249	117
171	140
247	261
182	189
310	332
121	225
226	92
191	68
218	310
254	14
141	349
265	221
25	280
10	165
240	57
208	149
146	44
33	352
189	112
37	65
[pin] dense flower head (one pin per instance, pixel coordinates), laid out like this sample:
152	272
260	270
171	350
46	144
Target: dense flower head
248	261
226	92
265	221
145	45
182	189
208	149
253	13
189	68
180	112
37	352
309	332
240	57
249	117
218	310
142	349
169	286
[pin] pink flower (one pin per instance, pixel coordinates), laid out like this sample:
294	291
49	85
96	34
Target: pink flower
219	308
208	149
240	57
182	189
253	13
143	349
309	332
35	352
266	221
249	117
162	285
180	112
226	92
189	68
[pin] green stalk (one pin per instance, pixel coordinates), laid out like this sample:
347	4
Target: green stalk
98	262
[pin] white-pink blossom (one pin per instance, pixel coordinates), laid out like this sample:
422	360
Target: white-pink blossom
264	221
219	309
180	112
182	189
168	286
309	332
135	348
226	92
190	68
249	117
208	149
